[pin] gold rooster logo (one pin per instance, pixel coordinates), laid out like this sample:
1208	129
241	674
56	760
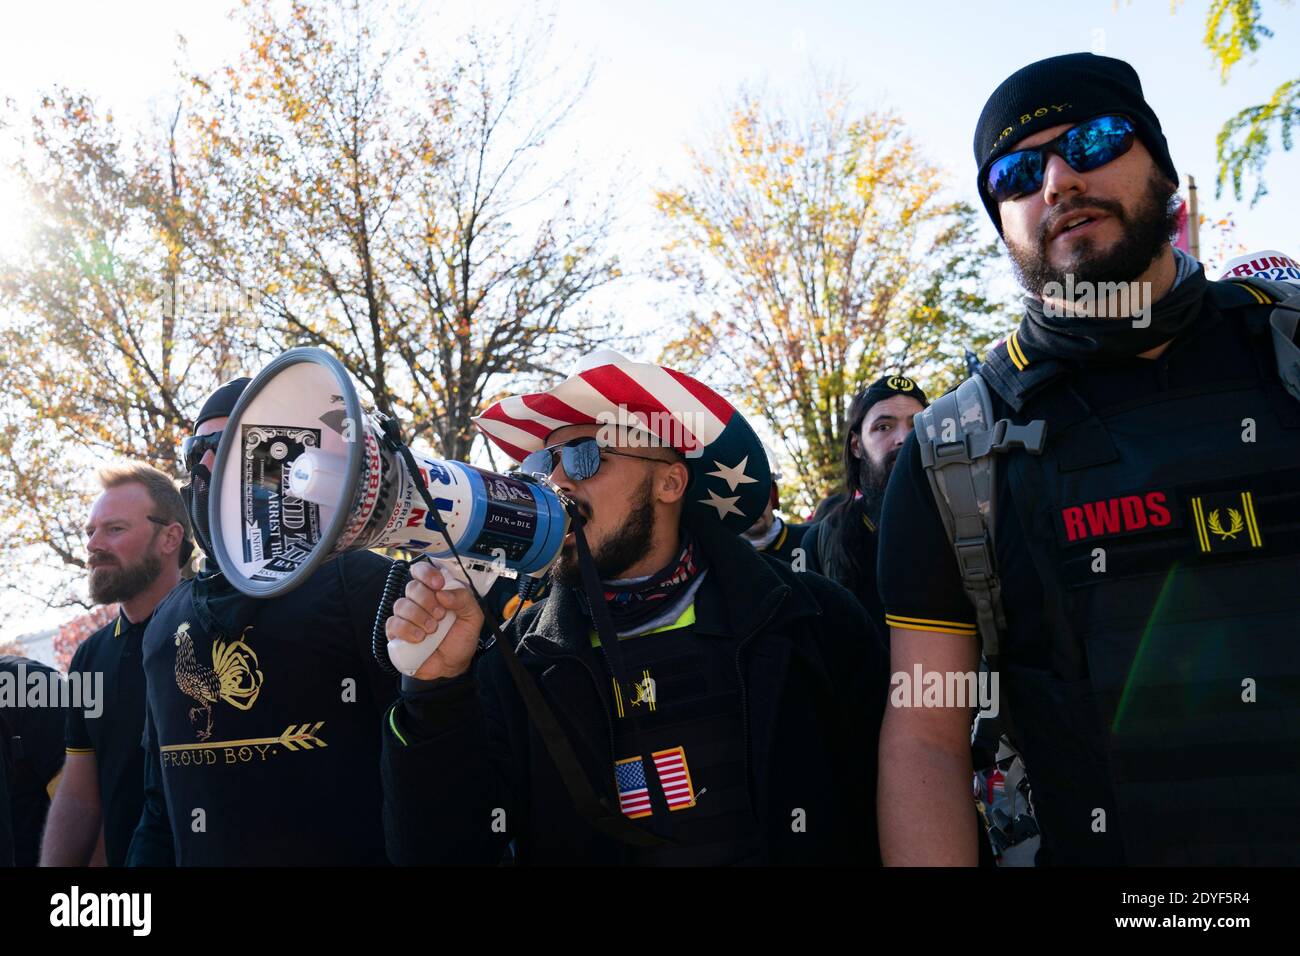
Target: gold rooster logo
1235	523
233	676
643	692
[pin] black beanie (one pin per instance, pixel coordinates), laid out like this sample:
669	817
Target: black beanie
1063	89
222	402
887	386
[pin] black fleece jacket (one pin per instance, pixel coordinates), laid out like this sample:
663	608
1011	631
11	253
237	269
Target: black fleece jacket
465	772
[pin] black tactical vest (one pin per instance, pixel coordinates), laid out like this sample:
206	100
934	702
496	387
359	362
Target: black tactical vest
1168	730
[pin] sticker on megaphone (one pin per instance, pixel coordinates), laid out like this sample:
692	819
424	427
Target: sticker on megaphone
304	474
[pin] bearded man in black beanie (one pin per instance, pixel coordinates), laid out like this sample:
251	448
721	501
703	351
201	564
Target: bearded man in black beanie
1130	570
843	546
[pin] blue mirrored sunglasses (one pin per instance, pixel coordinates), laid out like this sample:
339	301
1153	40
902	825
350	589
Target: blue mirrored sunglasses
579	456
1084	148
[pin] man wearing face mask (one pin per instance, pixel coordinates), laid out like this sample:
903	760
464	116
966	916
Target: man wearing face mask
719	708
1129	566
843	546
261	732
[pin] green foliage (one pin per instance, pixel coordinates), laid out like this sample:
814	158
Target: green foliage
1233	28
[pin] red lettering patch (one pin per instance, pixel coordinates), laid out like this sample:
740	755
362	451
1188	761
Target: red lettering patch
1123	514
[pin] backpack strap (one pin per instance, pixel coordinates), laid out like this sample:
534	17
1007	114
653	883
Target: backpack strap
957	438
1283	321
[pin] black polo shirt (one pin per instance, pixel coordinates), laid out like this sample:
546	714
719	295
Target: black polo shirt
114	651
31	758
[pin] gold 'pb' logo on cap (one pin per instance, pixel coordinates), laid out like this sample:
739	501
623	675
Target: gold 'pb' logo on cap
900	384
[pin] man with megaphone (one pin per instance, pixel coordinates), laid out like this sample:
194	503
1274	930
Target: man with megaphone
677	699
260	732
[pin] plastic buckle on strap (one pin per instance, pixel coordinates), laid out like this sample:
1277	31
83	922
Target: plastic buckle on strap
1003	436
1007	435
936	454
975	559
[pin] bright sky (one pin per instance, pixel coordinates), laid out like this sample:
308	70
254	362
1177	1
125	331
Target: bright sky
664	69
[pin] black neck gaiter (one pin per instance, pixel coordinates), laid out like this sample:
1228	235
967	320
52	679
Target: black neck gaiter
1082	339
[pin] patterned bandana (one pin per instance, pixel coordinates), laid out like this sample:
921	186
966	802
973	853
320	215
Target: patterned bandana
635	602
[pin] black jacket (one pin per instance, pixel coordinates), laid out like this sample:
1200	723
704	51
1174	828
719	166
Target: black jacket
819	542
31	758
814	679
787	542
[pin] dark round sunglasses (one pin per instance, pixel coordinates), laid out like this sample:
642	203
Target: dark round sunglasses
195	447
580	457
1084	148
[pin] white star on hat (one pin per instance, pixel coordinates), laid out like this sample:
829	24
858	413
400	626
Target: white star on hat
734	475
725	506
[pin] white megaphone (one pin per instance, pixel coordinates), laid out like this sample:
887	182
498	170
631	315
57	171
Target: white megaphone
304	474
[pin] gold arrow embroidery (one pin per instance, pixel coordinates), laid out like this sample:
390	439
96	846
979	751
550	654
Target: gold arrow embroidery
304	738
294	737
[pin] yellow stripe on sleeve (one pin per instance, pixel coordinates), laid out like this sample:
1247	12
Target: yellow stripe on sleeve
928	624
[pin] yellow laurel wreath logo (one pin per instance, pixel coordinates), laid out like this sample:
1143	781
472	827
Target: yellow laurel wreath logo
1235	524
900	384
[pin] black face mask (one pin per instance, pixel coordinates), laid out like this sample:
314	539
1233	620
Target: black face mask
195	495
1086	339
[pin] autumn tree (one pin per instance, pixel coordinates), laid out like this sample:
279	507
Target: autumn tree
107	342
380	202
330	187
815	250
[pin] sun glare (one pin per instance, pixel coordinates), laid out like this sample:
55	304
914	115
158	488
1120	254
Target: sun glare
14	218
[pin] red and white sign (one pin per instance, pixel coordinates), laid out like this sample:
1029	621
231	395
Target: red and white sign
1268	264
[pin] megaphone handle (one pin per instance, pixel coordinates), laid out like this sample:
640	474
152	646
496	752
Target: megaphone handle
408	657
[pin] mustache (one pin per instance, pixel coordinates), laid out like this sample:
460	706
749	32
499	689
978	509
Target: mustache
582	507
1068	209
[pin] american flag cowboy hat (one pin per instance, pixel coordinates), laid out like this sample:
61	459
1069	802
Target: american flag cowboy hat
730	476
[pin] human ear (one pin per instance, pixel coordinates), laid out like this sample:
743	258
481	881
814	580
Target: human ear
672	482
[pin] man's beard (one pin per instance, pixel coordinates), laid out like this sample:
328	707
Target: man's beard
614	556
872	481
111	583
1142	237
